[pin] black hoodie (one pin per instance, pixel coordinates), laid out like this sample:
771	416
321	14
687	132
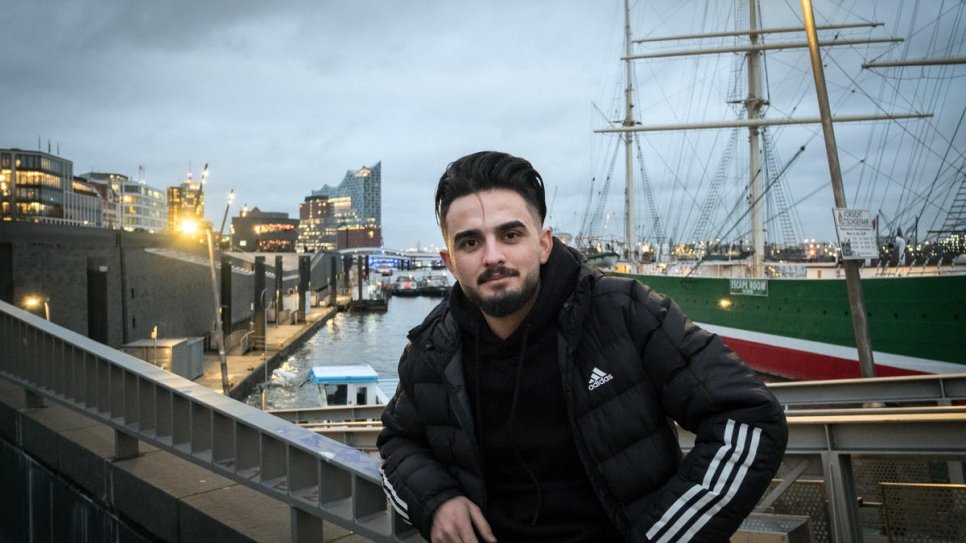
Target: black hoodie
536	486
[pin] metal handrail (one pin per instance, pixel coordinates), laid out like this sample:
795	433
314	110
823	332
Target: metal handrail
316	476
322	479
941	389
239	338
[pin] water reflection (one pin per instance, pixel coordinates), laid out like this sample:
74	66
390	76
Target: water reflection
376	339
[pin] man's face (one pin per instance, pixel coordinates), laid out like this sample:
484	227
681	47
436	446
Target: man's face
495	246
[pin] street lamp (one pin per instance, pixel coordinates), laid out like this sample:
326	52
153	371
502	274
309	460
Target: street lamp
190	227
32	302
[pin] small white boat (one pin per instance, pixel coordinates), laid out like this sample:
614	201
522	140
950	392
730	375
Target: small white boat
347	385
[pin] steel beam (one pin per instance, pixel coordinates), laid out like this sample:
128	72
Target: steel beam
938	389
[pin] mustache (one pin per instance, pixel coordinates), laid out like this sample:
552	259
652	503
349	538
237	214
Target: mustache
490	273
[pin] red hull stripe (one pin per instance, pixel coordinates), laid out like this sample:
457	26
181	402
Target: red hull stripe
795	364
803	359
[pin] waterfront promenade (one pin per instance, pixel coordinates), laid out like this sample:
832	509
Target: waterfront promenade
246	371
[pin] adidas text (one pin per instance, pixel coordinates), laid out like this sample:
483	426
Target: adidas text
598	378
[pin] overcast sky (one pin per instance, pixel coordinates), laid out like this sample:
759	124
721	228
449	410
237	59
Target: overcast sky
282	98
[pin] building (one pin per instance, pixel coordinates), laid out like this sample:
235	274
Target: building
264	231
82	205
33	185
352	237
110	204
186	202
349	215
319	219
142	208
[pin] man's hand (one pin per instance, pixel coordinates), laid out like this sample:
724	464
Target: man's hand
455	520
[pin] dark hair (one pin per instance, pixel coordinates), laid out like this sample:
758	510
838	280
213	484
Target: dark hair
489	170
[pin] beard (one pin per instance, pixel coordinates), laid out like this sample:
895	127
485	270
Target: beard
506	302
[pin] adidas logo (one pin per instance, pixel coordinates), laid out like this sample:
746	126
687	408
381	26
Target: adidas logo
598	378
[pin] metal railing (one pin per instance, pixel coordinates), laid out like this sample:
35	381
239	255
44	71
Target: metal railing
316	476
239	342
933	389
322	479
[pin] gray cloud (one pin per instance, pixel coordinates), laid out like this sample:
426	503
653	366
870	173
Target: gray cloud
281	98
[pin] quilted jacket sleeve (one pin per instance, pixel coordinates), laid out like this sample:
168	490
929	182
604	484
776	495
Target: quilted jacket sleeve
740	427
415	482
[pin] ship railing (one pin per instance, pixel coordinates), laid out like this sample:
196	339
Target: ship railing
934	389
320	479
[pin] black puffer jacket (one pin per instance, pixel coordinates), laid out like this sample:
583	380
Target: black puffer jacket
630	362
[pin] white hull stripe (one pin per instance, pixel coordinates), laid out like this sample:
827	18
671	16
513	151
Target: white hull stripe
400	506
837	351
721	483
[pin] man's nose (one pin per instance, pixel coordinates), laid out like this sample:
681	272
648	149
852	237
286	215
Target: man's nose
493	254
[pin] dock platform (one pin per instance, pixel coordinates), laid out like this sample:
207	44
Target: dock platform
247	370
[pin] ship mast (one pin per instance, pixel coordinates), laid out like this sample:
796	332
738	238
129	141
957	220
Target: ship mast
853	280
630	231
753	104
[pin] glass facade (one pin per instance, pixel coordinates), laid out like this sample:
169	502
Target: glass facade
143	207
354	205
36	187
364	189
134	205
185	202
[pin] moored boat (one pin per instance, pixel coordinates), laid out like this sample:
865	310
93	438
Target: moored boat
356	384
404	285
799	325
802	328
434	285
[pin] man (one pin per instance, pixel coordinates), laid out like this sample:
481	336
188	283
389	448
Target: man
535	404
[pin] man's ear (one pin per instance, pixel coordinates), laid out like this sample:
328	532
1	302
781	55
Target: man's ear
546	245
447	261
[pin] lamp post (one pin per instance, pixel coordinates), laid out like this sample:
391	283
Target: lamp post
219	333
190	227
221	230
34	301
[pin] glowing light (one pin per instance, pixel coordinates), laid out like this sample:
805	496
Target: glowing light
189	226
724	303
31	302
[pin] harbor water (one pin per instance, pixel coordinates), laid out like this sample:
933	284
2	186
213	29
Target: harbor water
372	338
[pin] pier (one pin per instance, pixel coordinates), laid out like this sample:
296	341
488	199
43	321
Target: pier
121	433
248	370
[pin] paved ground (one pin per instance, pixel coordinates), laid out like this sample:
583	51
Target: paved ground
251	366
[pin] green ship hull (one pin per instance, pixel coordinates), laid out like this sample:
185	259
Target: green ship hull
802	329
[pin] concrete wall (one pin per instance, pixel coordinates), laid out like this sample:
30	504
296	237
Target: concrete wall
176	294
143	287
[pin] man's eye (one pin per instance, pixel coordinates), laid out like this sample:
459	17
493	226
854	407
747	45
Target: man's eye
468	244
512	235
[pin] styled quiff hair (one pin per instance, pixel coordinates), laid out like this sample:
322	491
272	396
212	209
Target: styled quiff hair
488	170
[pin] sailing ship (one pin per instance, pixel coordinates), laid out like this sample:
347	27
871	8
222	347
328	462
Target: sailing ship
782	304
